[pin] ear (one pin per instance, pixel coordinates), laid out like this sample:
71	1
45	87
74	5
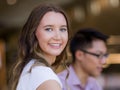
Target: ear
79	55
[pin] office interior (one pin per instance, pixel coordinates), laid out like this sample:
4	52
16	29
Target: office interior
104	15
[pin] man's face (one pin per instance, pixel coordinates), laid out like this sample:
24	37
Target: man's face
91	64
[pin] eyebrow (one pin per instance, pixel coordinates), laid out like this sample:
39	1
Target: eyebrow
98	51
52	26
64	25
48	26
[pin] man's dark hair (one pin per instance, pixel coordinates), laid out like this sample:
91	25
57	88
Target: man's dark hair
83	39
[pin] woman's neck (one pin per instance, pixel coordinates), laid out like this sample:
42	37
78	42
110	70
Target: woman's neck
50	59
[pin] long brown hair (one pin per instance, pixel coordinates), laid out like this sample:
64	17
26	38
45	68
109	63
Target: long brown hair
28	44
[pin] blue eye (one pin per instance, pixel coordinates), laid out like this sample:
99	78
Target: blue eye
63	29
49	29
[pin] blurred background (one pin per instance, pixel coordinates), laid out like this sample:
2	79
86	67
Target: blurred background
104	15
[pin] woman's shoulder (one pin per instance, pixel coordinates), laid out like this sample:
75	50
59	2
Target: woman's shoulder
42	71
40	74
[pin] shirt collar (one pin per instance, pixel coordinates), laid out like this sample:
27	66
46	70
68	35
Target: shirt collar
73	77
74	80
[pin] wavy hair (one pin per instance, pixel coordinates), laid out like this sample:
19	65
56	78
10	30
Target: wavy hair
28	43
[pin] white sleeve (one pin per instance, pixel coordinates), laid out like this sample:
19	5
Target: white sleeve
41	74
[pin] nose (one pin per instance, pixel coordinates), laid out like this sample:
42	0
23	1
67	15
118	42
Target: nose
57	35
103	60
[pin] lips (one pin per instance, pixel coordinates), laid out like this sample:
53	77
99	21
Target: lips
55	45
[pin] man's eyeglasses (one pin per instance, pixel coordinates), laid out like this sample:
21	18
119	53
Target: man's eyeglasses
100	56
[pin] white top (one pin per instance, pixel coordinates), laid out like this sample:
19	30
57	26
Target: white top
38	75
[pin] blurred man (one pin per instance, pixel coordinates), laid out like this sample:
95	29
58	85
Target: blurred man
89	52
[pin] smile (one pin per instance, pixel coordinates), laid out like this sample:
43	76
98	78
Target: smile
55	45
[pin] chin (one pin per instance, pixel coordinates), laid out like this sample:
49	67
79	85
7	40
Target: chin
95	74
56	54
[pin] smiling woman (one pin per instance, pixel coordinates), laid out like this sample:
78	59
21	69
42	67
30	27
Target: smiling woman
56	33
42	44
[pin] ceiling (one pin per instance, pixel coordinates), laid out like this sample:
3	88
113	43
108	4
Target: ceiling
13	16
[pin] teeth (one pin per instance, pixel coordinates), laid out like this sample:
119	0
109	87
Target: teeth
55	44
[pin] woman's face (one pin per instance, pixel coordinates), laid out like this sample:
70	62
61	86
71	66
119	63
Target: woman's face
52	34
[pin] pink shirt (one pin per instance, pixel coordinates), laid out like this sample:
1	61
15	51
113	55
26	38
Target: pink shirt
73	83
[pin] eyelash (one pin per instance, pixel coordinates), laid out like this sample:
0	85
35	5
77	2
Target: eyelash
48	29
61	29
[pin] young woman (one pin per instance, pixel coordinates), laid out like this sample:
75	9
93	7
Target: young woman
42	44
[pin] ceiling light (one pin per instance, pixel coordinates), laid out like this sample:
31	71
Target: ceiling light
11	2
114	3
79	14
95	7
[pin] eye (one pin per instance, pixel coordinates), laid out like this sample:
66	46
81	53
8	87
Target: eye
48	29
63	29
103	55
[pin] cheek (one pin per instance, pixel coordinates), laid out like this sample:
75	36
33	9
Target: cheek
43	40
37	34
40	37
91	63
92	59
90	67
65	38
